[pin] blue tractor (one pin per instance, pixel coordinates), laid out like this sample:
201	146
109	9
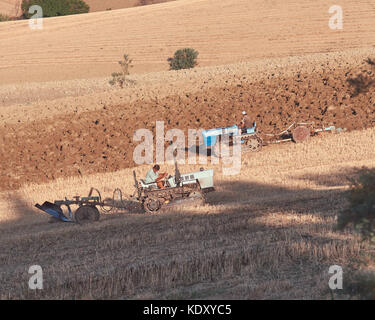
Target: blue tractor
249	139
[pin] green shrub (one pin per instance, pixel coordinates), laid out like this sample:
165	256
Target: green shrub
120	78
53	8
361	210
184	59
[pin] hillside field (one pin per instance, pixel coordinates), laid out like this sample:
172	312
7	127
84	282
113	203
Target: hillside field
265	233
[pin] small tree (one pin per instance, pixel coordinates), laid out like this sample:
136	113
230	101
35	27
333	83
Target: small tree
361	210
184	59
121	78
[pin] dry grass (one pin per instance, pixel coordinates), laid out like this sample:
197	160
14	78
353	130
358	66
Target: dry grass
266	233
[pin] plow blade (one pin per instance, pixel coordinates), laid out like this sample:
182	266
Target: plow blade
53	210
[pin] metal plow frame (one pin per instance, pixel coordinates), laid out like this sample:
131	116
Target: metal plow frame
55	211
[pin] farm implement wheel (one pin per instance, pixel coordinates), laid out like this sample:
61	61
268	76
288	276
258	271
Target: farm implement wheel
253	143
87	214
301	134
152	205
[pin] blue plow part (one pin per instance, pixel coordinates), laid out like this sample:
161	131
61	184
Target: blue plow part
55	211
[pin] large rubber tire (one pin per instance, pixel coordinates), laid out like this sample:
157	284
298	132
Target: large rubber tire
86	214
152	205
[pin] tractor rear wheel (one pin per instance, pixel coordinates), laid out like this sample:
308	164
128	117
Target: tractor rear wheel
152	205
86	214
253	143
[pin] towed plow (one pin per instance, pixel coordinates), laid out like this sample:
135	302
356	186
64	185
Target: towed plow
89	207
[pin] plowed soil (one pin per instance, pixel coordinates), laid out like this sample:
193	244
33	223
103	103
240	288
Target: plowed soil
100	139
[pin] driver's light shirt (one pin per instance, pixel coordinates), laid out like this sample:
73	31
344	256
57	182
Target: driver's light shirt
151	176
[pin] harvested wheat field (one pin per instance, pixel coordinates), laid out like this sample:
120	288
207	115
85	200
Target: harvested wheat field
265	233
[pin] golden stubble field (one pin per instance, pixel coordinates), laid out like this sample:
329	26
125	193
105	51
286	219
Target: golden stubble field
265	233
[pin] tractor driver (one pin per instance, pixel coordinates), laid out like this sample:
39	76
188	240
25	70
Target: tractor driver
245	123
153	176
